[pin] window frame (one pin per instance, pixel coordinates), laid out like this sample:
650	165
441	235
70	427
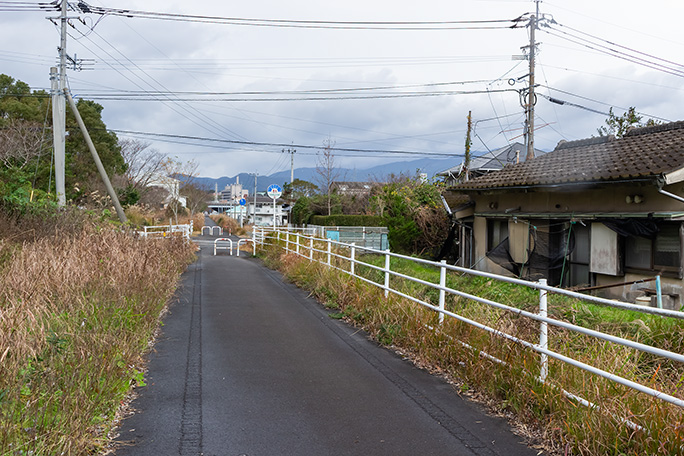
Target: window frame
667	270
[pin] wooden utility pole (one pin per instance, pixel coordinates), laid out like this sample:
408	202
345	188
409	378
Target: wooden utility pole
466	170
531	97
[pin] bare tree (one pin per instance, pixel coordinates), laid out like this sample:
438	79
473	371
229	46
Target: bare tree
175	176
143	163
20	141
326	171
196	197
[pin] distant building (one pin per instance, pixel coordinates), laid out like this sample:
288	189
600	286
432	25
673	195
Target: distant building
352	188
171	185
260	215
233	191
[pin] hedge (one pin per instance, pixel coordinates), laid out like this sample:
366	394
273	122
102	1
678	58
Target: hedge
347	220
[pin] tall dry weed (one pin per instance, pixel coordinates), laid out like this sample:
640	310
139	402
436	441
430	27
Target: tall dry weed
76	312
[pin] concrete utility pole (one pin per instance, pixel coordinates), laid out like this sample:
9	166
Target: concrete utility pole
291	152
57	85
255	194
531	97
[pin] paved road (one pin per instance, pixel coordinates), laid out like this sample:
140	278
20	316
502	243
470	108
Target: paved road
248	365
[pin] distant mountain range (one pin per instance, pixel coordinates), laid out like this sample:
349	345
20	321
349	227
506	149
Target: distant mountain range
380	173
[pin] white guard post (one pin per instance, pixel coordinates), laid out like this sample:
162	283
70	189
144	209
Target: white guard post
217	246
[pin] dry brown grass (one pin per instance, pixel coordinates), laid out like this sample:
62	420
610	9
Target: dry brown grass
76	312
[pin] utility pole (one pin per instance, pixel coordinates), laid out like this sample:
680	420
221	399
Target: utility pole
291	152
467	147
57	86
531	97
255	195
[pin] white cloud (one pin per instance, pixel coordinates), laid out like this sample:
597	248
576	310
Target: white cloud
189	57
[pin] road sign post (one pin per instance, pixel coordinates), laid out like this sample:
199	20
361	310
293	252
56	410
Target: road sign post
274	191
242	205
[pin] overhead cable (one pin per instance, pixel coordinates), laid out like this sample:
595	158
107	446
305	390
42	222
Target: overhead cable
609	48
318	24
153	97
279	145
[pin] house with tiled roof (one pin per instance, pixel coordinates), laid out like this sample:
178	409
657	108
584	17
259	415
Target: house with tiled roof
599	213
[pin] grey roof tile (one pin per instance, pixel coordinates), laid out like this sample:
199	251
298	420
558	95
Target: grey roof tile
642	153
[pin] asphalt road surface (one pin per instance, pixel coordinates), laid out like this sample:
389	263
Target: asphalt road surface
249	365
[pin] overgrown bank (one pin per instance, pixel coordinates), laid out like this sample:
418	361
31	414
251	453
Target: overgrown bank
78	305
566	427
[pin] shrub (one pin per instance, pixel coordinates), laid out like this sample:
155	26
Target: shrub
347	220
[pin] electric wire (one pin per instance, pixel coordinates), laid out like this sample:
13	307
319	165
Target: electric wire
191	108
135	93
310	24
279	145
639	59
167	101
152	97
663	119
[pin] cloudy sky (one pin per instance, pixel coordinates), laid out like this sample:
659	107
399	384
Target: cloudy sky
372	77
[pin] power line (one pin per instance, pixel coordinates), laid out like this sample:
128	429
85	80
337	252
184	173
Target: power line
153	97
639	58
317	24
16	7
135	93
163	136
603	103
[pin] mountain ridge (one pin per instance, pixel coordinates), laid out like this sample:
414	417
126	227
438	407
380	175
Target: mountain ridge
379	173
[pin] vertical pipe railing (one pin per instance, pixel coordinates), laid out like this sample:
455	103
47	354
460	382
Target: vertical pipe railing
543	332
387	272
329	250
297	244
287	241
311	246
442	293
351	259
659	293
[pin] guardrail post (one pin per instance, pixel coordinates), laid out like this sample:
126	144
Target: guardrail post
329	250
543	332
311	248
387	272
352	262
297	244
442	293
287	241
254	241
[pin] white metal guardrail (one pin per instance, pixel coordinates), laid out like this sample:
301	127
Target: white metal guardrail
323	250
163	231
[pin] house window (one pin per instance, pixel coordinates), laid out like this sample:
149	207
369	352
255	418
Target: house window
497	231
661	253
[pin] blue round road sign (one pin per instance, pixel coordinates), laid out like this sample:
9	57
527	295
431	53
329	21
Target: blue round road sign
274	191
242	201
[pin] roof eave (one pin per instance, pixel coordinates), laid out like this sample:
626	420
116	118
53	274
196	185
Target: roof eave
648	179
